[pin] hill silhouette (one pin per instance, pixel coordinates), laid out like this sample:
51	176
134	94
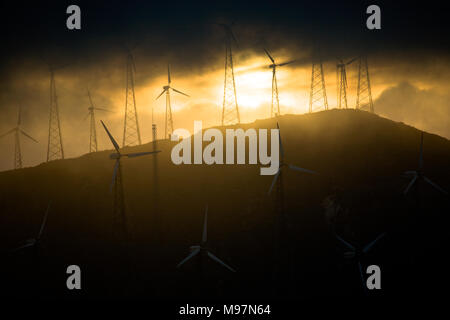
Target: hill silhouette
358	194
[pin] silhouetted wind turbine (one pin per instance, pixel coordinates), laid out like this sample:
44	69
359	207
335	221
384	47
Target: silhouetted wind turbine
357	253
168	130
17	130
418	175
275	108
203	248
119	202
35	242
93	131
282	164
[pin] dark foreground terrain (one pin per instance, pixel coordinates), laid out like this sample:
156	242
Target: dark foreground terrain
358	194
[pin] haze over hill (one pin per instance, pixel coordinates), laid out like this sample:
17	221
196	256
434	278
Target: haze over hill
360	158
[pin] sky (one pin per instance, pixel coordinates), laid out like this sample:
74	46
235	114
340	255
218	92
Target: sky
408	58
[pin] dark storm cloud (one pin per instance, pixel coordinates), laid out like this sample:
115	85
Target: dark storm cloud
182	30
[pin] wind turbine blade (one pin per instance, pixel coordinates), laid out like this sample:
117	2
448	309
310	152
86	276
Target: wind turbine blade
301	169
410	184
345	243
168	74
10	131
89	113
160	94
205	226
421	151
220	261
19	119
362	276
435	185
44	222
195	252
102	109
90	99
232	35
268	54
28	244
28	136
351	61
134	155
285	63
280	143
180	92
370	245
116	168
274	180
116	146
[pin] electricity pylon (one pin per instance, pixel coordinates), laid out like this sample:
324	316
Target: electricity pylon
341	82
364	93
55	148
230	108
93	131
131	133
168	129
318	95
17	131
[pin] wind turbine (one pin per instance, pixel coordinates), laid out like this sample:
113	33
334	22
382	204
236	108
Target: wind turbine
357	254
341	82
17	130
418	175
93	131
117	184
275	108
282	164
169	120
283	267
35	242
203	249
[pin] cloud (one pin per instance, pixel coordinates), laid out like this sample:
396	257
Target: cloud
426	109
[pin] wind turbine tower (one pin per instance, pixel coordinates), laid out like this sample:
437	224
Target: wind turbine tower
318	95
17	131
131	133
168	129
275	107
364	93
341	81
55	148
93	131
230	109
119	216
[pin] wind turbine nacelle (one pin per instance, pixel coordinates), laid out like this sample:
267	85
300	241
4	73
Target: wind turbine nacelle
166	87
349	254
193	248
114	156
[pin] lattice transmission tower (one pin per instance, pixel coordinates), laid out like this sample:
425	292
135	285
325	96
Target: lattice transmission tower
364	92
230	108
131	133
55	148
318	94
341	82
